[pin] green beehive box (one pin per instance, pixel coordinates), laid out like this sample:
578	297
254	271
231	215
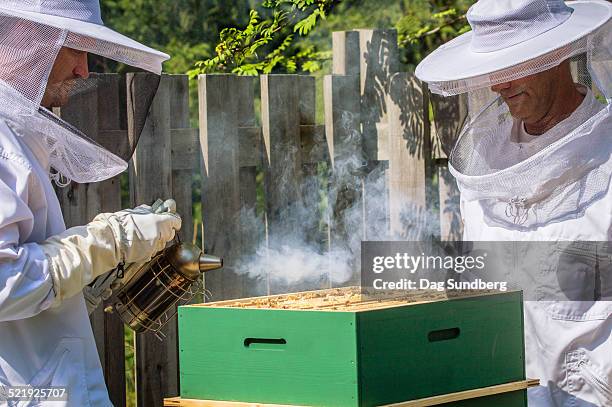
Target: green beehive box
333	348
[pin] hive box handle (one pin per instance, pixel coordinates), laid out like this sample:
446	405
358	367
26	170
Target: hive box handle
264	343
443	334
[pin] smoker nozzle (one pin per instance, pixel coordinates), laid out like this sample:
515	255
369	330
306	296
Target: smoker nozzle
208	262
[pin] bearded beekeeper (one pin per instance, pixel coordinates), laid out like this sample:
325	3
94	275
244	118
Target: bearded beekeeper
534	162
45	334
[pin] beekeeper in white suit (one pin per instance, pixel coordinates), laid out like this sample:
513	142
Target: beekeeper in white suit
45	334
534	162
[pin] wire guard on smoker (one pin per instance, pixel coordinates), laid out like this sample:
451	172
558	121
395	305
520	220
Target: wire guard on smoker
170	277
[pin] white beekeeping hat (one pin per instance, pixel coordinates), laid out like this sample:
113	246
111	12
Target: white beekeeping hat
511	39
32	33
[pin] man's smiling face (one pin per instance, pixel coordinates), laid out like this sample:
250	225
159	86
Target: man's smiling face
530	98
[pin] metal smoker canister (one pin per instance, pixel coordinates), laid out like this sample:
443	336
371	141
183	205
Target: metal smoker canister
168	278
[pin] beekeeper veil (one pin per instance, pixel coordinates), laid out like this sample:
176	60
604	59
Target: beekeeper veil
523	180
32	34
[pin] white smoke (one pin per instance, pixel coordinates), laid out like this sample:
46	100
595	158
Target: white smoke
295	264
357	203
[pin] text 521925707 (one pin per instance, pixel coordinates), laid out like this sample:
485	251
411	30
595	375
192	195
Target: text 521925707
31	393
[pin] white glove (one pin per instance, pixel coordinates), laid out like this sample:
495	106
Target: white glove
80	254
140	232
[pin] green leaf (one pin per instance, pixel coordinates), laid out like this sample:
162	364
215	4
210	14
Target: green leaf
304	26
311	66
193	73
446	13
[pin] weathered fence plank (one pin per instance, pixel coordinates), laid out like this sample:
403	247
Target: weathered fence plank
346	53
342	100
249	139
280	118
184	159
314	147
310	133
379	60
410	157
348	164
151	169
372	56
150	179
250	145
219	99
184	150
283	107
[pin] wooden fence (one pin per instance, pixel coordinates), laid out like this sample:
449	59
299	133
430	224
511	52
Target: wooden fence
378	118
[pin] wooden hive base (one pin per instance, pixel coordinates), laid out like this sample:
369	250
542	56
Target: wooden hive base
425	402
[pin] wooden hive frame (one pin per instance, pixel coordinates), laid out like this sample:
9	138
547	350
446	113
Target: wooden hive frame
351	299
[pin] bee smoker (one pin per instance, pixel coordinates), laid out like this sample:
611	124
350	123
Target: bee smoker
142	294
149	291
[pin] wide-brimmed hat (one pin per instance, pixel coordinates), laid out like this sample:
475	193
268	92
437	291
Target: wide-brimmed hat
511	39
33	33
82	18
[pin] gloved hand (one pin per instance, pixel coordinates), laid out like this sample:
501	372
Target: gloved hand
141	232
80	254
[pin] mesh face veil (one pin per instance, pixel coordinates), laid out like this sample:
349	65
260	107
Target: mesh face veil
33	33
521	177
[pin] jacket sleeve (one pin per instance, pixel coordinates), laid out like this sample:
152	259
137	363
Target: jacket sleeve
26	286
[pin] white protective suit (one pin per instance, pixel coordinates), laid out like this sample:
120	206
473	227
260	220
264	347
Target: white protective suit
39	345
555	187
568	345
45	333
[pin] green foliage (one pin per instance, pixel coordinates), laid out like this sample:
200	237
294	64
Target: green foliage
185	29
428	25
130	367
293	35
263	36
268	42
